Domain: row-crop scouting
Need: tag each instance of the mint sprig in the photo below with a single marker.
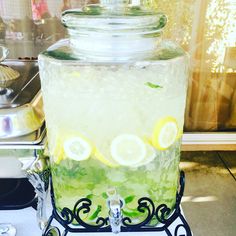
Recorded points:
(95, 214)
(151, 85)
(129, 199)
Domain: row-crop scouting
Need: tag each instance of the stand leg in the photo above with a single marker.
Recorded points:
(38, 175)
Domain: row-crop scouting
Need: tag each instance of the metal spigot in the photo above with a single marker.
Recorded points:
(115, 215)
(38, 175)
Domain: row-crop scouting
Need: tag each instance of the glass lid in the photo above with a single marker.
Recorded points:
(114, 30)
(116, 16)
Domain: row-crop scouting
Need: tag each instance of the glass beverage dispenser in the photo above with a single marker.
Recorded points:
(114, 98)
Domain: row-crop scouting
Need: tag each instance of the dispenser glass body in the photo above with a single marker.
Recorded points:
(114, 127)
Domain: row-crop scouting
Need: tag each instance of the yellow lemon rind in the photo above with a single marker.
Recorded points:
(157, 130)
(104, 160)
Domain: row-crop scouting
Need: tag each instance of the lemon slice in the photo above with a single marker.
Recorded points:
(180, 134)
(104, 160)
(77, 149)
(165, 133)
(58, 155)
(128, 149)
(150, 156)
(56, 150)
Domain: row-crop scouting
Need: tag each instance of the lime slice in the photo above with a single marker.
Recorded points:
(150, 156)
(165, 133)
(128, 149)
(104, 160)
(77, 149)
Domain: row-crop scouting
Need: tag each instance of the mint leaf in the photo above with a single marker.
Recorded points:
(151, 85)
(95, 214)
(90, 196)
(133, 213)
(129, 199)
(104, 195)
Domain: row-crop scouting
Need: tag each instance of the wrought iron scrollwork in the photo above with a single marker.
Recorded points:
(53, 231)
(84, 206)
(162, 213)
(72, 220)
(177, 230)
(145, 206)
(67, 215)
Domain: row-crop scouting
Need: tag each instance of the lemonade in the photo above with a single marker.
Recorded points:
(114, 126)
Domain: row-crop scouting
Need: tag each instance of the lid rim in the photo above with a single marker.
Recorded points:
(118, 24)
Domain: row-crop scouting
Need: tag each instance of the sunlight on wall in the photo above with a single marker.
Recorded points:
(199, 199)
(188, 165)
(221, 31)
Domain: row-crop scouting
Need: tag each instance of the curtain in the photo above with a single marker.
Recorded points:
(207, 30)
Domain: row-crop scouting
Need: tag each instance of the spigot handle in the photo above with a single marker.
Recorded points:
(115, 215)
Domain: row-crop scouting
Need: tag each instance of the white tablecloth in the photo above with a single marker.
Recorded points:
(25, 222)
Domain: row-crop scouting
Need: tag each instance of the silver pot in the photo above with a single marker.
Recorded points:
(21, 105)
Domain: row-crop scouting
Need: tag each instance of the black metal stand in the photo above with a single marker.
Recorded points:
(145, 205)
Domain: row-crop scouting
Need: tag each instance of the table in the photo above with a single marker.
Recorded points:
(26, 225)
